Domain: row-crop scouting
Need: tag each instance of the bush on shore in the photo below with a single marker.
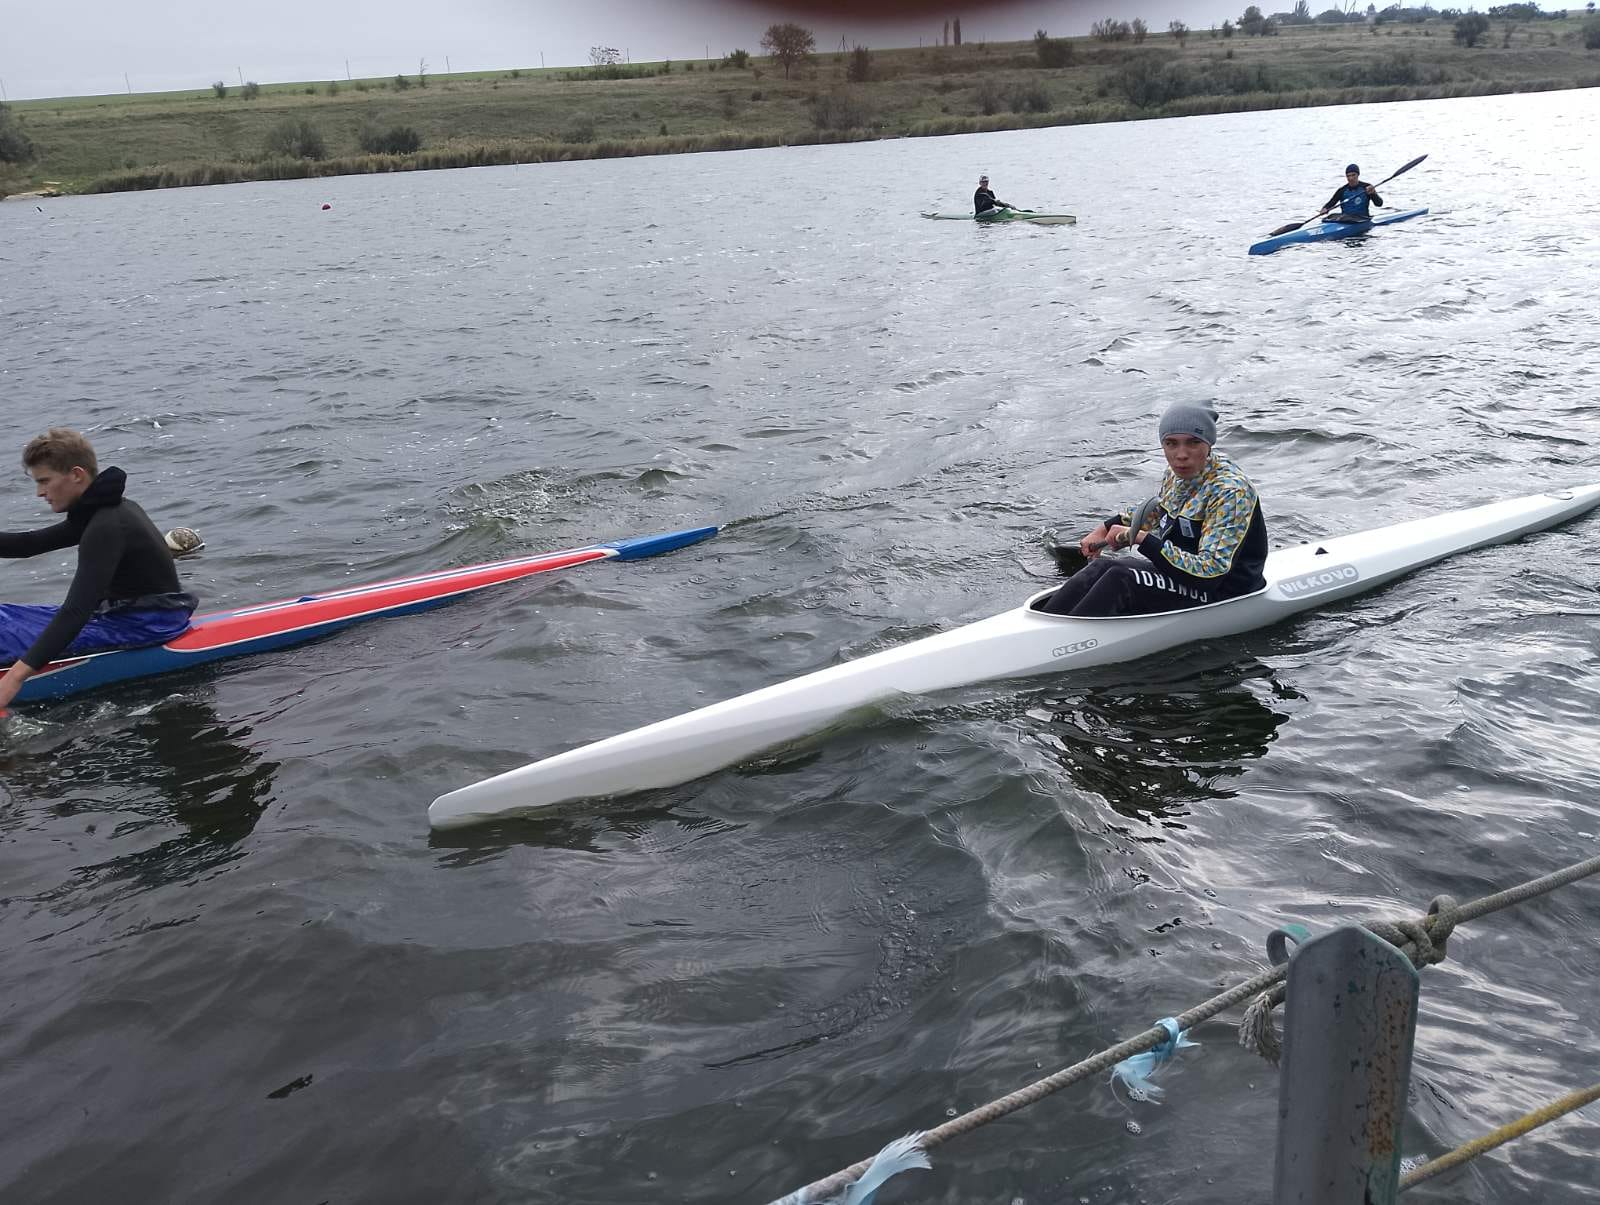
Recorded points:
(395, 140)
(1148, 82)
(840, 109)
(1029, 98)
(1470, 29)
(1052, 52)
(15, 145)
(1398, 68)
(296, 138)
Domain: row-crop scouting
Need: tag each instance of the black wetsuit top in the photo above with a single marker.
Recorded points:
(122, 561)
(1353, 202)
(983, 201)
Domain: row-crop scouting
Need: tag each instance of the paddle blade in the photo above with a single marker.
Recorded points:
(1069, 558)
(1403, 170)
(1289, 227)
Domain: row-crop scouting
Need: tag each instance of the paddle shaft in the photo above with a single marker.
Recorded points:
(1399, 172)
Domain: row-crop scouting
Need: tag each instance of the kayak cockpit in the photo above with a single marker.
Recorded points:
(1035, 601)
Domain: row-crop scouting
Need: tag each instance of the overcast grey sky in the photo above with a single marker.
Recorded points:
(79, 47)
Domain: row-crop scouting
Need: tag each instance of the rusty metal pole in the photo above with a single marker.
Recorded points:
(1349, 1021)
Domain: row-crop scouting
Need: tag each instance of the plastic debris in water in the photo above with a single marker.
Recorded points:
(900, 1155)
(1137, 1071)
(184, 539)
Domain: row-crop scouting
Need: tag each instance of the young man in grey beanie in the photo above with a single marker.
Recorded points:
(1202, 537)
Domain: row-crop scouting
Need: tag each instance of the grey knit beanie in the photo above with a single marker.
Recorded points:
(1190, 418)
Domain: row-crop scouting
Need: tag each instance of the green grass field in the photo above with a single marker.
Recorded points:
(153, 140)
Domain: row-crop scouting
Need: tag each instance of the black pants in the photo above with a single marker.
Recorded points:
(1110, 586)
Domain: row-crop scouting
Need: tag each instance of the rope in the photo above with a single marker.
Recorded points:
(1423, 943)
(822, 1190)
(1257, 1034)
(1417, 940)
(1501, 1136)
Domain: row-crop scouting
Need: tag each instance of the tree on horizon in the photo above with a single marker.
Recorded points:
(788, 44)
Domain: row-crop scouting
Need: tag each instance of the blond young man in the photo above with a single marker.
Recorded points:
(125, 592)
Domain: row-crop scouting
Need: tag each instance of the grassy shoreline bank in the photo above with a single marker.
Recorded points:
(107, 144)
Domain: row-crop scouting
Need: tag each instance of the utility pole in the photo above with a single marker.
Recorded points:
(125, 82)
(541, 60)
(447, 64)
(3, 96)
(347, 74)
(240, 70)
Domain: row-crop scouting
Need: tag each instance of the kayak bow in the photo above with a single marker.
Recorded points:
(1330, 230)
(1018, 643)
(277, 625)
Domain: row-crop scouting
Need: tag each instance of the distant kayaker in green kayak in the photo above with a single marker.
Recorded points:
(983, 200)
(1202, 537)
(125, 592)
(1353, 198)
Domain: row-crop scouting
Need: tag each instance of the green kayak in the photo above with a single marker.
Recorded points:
(1009, 215)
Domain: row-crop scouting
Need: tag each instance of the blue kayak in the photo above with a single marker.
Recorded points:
(277, 625)
(1327, 230)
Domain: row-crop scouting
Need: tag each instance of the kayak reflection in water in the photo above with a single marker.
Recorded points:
(983, 200)
(125, 592)
(1353, 198)
(1202, 536)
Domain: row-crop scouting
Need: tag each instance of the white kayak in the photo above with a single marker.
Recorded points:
(1008, 215)
(1018, 643)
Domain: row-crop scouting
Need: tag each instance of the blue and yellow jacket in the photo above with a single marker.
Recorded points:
(1210, 535)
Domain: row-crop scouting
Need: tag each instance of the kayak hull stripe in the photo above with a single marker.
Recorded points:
(276, 625)
(1323, 231)
(1017, 643)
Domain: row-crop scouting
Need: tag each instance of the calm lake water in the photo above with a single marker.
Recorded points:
(237, 966)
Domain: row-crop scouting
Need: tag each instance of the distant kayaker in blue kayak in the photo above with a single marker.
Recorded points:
(1353, 198)
(125, 592)
(983, 200)
(1202, 537)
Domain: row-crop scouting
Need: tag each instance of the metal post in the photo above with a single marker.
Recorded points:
(1349, 1023)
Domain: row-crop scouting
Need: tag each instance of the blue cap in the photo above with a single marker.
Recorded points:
(1353, 168)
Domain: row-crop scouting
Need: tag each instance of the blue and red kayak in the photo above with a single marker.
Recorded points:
(277, 625)
(1328, 230)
